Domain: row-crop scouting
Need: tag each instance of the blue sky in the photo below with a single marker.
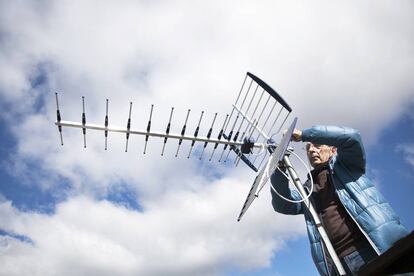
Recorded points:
(74, 211)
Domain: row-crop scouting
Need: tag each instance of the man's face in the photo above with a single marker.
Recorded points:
(319, 154)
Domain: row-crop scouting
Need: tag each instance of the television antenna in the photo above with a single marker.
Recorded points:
(258, 114)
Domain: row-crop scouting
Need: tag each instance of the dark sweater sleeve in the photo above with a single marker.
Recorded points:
(280, 183)
(347, 141)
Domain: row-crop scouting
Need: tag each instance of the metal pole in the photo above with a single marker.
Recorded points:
(315, 217)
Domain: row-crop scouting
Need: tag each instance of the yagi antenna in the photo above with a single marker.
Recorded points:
(245, 131)
(248, 134)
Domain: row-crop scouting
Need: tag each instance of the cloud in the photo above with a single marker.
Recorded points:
(408, 152)
(335, 63)
(188, 232)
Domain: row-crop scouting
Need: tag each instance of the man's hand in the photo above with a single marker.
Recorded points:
(297, 135)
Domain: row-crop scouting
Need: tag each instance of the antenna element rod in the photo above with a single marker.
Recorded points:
(148, 129)
(106, 126)
(58, 118)
(195, 134)
(83, 122)
(167, 131)
(128, 127)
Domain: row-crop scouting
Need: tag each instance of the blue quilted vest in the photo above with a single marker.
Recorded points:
(365, 204)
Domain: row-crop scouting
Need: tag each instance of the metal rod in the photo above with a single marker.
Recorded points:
(232, 111)
(83, 122)
(235, 121)
(264, 157)
(254, 112)
(275, 121)
(128, 126)
(267, 118)
(244, 118)
(263, 109)
(106, 126)
(148, 129)
(229, 137)
(195, 134)
(182, 132)
(241, 89)
(283, 123)
(155, 134)
(219, 137)
(251, 122)
(237, 99)
(245, 97)
(167, 131)
(208, 135)
(58, 118)
(250, 103)
(237, 118)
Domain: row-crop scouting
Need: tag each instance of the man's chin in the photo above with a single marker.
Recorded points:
(315, 163)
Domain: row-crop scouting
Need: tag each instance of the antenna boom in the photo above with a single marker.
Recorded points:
(154, 134)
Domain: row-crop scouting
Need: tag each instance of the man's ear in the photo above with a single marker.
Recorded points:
(334, 150)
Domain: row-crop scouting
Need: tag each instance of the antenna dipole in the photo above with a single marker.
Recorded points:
(208, 135)
(182, 132)
(195, 134)
(219, 137)
(83, 122)
(128, 126)
(167, 131)
(148, 129)
(58, 118)
(106, 126)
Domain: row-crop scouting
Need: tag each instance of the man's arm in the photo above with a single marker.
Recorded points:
(280, 183)
(347, 141)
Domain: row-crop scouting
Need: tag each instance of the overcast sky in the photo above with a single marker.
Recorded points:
(74, 211)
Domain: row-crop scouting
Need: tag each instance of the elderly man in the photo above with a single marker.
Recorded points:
(359, 222)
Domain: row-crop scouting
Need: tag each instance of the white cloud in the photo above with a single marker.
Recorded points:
(189, 232)
(335, 63)
(408, 152)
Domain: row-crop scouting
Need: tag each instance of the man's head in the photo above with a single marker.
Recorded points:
(319, 154)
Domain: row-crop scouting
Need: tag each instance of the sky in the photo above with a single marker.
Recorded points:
(66, 210)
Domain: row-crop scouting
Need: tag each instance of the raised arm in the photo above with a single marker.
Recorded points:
(347, 141)
(280, 183)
